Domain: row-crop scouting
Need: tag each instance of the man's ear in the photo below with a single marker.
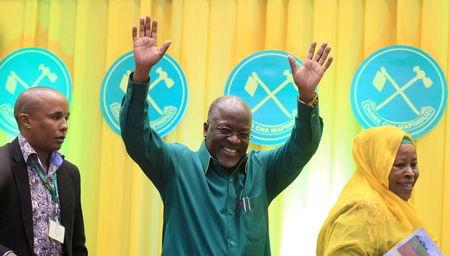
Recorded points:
(24, 120)
(205, 128)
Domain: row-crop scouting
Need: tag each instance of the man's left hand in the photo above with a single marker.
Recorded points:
(307, 77)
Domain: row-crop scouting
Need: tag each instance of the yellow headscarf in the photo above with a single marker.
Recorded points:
(369, 219)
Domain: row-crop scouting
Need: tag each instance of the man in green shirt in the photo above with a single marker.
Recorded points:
(216, 199)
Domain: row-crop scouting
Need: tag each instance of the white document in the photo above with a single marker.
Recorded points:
(418, 243)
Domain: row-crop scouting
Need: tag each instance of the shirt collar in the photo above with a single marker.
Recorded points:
(206, 158)
(56, 158)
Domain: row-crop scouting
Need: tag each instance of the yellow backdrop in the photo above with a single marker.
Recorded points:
(123, 212)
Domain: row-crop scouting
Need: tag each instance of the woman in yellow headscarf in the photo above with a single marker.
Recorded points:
(372, 213)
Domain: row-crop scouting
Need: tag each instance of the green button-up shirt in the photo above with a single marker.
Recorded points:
(207, 210)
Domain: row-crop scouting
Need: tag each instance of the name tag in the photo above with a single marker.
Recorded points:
(56, 231)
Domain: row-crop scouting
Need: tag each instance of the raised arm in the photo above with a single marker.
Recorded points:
(143, 144)
(285, 163)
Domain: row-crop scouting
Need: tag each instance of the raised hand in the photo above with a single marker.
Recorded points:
(146, 52)
(307, 76)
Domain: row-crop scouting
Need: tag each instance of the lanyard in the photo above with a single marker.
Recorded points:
(40, 172)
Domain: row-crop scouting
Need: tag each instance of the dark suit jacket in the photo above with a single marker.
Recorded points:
(16, 224)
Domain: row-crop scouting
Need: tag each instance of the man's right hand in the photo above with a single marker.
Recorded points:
(146, 52)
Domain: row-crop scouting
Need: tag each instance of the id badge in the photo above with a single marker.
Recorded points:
(56, 231)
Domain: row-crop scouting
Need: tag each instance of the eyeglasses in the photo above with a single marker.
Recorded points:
(244, 136)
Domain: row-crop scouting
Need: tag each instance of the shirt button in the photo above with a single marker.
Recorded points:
(231, 180)
(313, 114)
(230, 212)
(231, 243)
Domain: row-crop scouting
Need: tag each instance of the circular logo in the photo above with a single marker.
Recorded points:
(399, 86)
(26, 68)
(264, 81)
(167, 94)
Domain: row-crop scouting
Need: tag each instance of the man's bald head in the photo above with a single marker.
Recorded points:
(42, 115)
(31, 99)
(229, 101)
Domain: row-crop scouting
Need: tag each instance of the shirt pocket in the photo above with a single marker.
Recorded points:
(254, 219)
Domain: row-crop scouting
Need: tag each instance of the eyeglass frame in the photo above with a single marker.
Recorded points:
(227, 132)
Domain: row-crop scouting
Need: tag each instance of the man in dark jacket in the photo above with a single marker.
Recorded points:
(40, 211)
